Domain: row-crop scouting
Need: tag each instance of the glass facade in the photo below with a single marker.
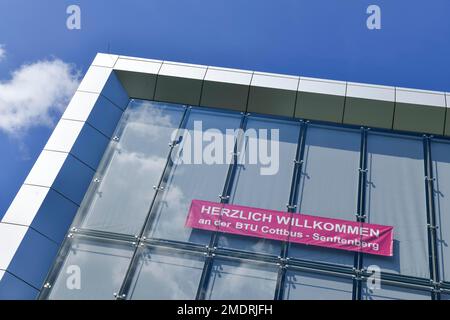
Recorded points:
(129, 239)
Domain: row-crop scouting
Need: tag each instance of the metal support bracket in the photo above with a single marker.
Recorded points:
(210, 251)
(436, 286)
(429, 226)
(359, 274)
(283, 262)
(360, 216)
(119, 297)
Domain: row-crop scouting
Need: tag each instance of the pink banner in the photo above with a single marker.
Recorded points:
(285, 226)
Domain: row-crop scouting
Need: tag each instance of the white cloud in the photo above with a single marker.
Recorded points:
(35, 93)
(2, 52)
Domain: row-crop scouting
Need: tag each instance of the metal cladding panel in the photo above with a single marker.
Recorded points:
(12, 288)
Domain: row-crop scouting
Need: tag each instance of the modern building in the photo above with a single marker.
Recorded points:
(102, 214)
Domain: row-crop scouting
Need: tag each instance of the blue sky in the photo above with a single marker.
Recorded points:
(318, 38)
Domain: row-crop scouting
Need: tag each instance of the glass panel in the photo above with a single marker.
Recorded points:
(238, 280)
(445, 296)
(313, 286)
(131, 167)
(256, 188)
(387, 292)
(92, 269)
(187, 181)
(166, 274)
(396, 197)
(441, 164)
(329, 185)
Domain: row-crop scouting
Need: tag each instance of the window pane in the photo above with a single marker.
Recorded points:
(387, 292)
(314, 286)
(329, 185)
(445, 296)
(441, 164)
(120, 202)
(255, 188)
(396, 197)
(237, 280)
(186, 182)
(166, 274)
(92, 269)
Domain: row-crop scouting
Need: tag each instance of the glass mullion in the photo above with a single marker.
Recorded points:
(104, 234)
(361, 210)
(321, 266)
(230, 179)
(174, 244)
(293, 199)
(431, 214)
